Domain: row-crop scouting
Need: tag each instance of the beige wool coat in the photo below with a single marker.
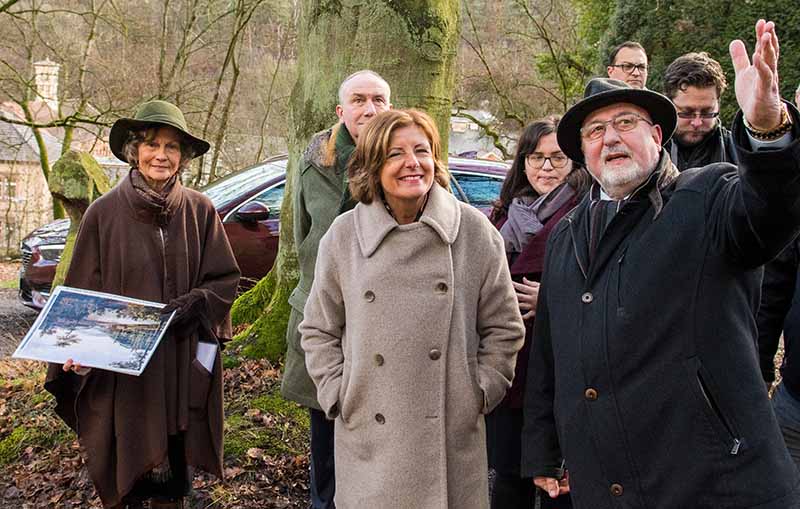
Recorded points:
(411, 334)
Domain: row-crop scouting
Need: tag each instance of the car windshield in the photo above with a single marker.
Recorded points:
(232, 186)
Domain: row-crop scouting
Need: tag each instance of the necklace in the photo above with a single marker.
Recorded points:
(419, 213)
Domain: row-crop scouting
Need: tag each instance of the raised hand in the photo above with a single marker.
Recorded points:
(757, 84)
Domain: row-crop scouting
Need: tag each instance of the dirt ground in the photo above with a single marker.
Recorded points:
(15, 319)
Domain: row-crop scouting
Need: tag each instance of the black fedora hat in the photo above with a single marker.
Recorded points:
(601, 92)
(150, 114)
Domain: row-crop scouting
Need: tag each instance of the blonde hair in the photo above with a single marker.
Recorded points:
(365, 166)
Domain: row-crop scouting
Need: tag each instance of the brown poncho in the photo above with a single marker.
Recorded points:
(128, 246)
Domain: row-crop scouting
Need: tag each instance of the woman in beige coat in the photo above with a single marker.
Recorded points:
(411, 329)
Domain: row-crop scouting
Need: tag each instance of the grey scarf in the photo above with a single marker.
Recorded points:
(527, 215)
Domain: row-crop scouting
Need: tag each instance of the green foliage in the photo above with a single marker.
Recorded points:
(594, 18)
(670, 28)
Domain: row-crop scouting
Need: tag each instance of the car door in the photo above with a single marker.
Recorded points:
(255, 243)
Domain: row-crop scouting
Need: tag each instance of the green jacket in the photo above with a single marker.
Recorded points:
(320, 195)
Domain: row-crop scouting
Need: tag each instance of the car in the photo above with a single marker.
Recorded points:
(249, 203)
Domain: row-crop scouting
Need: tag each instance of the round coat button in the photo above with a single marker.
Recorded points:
(435, 354)
(379, 359)
(441, 288)
(616, 490)
(590, 394)
(380, 419)
(587, 297)
(369, 295)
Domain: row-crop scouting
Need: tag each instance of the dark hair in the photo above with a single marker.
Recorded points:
(516, 183)
(694, 70)
(612, 57)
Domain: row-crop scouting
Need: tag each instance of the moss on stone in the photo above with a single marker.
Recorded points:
(77, 180)
(266, 336)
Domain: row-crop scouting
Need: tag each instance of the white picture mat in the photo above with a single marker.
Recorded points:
(100, 351)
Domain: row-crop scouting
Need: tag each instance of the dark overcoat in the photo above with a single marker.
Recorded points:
(127, 247)
(643, 371)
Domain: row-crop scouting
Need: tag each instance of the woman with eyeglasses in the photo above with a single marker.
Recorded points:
(542, 185)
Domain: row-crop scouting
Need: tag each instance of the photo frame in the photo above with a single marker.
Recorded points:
(97, 330)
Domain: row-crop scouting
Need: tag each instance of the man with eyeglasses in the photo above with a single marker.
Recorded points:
(643, 381)
(694, 82)
(628, 62)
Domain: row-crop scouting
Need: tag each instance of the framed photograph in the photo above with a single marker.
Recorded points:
(97, 330)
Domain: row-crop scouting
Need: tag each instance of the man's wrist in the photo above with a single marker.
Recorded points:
(775, 133)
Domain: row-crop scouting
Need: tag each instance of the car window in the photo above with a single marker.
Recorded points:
(481, 190)
(232, 186)
(272, 198)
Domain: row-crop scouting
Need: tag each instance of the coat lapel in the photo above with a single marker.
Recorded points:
(373, 222)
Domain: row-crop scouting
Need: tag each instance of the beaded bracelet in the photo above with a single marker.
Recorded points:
(773, 134)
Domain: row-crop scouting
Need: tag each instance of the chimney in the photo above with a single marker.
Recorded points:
(46, 76)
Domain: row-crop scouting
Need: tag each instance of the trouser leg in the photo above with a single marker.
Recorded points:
(511, 492)
(787, 410)
(323, 481)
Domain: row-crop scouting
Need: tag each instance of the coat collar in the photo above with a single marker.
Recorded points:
(373, 223)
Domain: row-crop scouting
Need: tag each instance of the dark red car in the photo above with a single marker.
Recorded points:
(249, 203)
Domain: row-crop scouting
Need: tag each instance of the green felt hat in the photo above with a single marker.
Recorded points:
(153, 114)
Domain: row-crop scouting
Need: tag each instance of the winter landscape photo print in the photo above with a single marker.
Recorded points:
(95, 329)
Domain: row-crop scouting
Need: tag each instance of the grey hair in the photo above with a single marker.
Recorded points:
(363, 72)
(130, 149)
(797, 91)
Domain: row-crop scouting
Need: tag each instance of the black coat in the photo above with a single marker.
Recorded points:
(643, 370)
(780, 312)
(717, 147)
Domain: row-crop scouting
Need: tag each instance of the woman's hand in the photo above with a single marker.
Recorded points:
(527, 297)
(554, 487)
(75, 368)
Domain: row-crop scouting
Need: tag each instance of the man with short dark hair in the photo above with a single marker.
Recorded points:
(628, 62)
(321, 195)
(643, 379)
(694, 82)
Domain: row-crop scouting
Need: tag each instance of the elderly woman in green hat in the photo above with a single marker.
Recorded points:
(151, 238)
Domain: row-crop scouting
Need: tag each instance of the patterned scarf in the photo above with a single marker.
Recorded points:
(157, 199)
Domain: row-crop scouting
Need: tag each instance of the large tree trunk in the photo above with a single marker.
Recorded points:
(412, 44)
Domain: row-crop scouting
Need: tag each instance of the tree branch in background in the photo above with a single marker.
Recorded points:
(488, 129)
(4, 7)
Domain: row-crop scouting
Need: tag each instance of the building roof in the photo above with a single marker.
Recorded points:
(18, 144)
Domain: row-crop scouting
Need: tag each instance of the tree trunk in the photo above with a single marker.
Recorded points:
(412, 44)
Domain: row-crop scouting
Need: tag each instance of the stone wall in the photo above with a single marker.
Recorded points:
(25, 204)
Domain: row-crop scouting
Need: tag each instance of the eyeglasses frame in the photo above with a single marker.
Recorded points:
(642, 68)
(606, 123)
(546, 158)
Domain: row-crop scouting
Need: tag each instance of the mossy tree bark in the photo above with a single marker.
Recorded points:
(412, 44)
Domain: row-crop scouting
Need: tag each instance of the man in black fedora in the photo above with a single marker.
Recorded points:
(643, 379)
